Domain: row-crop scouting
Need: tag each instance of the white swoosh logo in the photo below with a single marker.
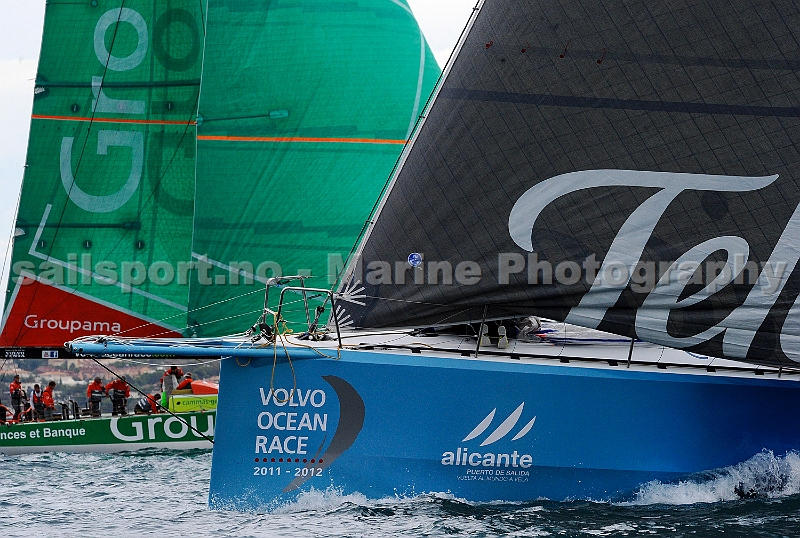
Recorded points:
(503, 429)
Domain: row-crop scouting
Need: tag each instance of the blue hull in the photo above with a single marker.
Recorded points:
(387, 424)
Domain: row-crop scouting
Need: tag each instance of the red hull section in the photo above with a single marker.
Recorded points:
(204, 387)
(42, 315)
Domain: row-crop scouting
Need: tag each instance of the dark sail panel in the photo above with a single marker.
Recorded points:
(620, 165)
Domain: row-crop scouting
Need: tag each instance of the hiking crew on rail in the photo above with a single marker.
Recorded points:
(40, 404)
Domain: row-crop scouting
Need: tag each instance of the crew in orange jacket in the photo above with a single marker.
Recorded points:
(94, 394)
(186, 383)
(119, 391)
(16, 397)
(174, 371)
(48, 401)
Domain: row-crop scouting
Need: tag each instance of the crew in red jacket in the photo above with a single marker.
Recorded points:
(119, 391)
(94, 394)
(174, 371)
(186, 383)
(48, 401)
(16, 397)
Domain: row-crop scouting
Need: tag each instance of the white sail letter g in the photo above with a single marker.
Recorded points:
(110, 202)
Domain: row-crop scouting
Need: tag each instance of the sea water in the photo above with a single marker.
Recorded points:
(164, 493)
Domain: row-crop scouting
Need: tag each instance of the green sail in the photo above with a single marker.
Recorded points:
(304, 110)
(105, 217)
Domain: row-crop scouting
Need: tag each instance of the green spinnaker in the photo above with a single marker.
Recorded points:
(304, 110)
(107, 202)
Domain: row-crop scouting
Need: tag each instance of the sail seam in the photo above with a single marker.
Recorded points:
(111, 120)
(125, 287)
(300, 139)
(620, 104)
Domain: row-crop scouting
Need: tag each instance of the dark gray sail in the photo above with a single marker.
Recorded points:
(623, 165)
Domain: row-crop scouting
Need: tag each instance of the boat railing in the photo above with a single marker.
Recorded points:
(312, 326)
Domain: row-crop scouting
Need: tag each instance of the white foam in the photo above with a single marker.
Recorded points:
(764, 475)
(321, 501)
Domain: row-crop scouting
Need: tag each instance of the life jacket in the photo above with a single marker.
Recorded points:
(177, 372)
(95, 392)
(37, 399)
(143, 405)
(16, 390)
(185, 384)
(47, 398)
(118, 389)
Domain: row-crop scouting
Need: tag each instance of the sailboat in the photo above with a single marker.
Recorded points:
(619, 166)
(160, 133)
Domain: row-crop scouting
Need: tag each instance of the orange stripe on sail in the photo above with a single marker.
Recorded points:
(302, 139)
(111, 120)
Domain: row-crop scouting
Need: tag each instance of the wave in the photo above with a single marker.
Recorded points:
(764, 476)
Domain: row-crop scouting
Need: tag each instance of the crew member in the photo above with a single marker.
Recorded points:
(186, 383)
(37, 403)
(17, 395)
(148, 404)
(48, 401)
(174, 371)
(119, 391)
(5, 413)
(94, 395)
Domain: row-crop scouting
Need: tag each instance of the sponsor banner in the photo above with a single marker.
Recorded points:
(47, 316)
(191, 402)
(136, 430)
(389, 424)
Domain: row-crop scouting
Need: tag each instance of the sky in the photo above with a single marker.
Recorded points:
(20, 38)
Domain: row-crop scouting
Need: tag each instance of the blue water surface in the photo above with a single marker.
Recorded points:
(164, 493)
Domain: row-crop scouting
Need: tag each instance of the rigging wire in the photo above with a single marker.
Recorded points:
(3, 370)
(7, 257)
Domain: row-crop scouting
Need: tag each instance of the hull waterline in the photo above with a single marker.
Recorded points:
(401, 422)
